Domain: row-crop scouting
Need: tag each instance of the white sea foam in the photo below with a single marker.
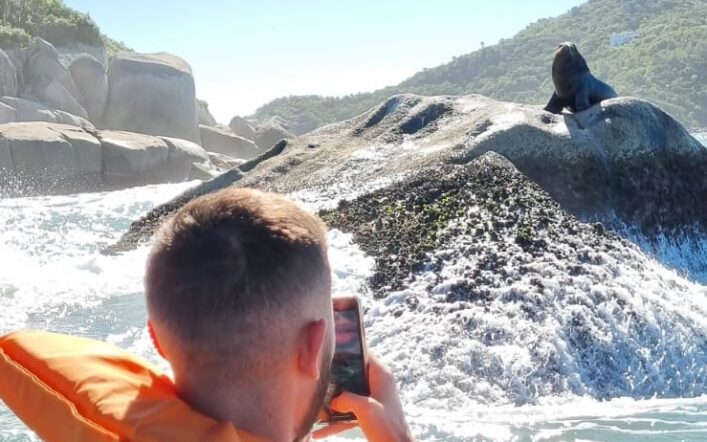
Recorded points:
(701, 137)
(686, 254)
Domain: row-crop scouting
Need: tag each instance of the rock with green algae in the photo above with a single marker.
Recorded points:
(485, 211)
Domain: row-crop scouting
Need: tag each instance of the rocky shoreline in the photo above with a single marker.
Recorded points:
(60, 113)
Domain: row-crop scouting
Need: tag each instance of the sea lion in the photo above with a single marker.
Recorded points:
(575, 86)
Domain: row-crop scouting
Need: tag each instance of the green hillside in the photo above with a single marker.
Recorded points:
(20, 20)
(665, 62)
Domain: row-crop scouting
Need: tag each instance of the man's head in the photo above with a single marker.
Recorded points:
(239, 294)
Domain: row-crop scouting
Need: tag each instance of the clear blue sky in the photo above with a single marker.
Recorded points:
(244, 54)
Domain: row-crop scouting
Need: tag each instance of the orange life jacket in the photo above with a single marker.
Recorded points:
(67, 388)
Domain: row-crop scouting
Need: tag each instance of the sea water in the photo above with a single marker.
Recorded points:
(53, 277)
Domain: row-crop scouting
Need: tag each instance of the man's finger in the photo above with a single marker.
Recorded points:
(372, 417)
(360, 406)
(381, 379)
(333, 428)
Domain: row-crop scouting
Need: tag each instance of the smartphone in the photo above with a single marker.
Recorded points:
(349, 366)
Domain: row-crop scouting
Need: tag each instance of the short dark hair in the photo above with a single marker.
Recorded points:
(225, 261)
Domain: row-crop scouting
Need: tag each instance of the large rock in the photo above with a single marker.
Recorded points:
(241, 127)
(40, 158)
(186, 149)
(92, 82)
(77, 50)
(8, 75)
(8, 114)
(205, 116)
(14, 109)
(196, 162)
(624, 156)
(50, 81)
(272, 131)
(152, 94)
(224, 162)
(25, 110)
(131, 159)
(622, 161)
(216, 139)
(18, 57)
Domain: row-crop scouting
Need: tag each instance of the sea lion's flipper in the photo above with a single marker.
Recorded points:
(581, 99)
(555, 105)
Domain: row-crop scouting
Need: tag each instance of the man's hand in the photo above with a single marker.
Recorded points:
(380, 416)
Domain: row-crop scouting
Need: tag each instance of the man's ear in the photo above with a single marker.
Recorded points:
(311, 347)
(153, 336)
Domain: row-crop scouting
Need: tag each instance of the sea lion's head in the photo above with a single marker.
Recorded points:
(567, 50)
(567, 56)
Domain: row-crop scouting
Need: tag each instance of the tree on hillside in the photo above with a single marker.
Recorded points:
(50, 20)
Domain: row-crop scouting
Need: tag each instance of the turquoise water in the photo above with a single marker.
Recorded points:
(455, 385)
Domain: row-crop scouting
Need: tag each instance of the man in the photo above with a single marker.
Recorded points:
(239, 300)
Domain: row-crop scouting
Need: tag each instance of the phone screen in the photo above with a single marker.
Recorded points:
(348, 364)
(348, 367)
